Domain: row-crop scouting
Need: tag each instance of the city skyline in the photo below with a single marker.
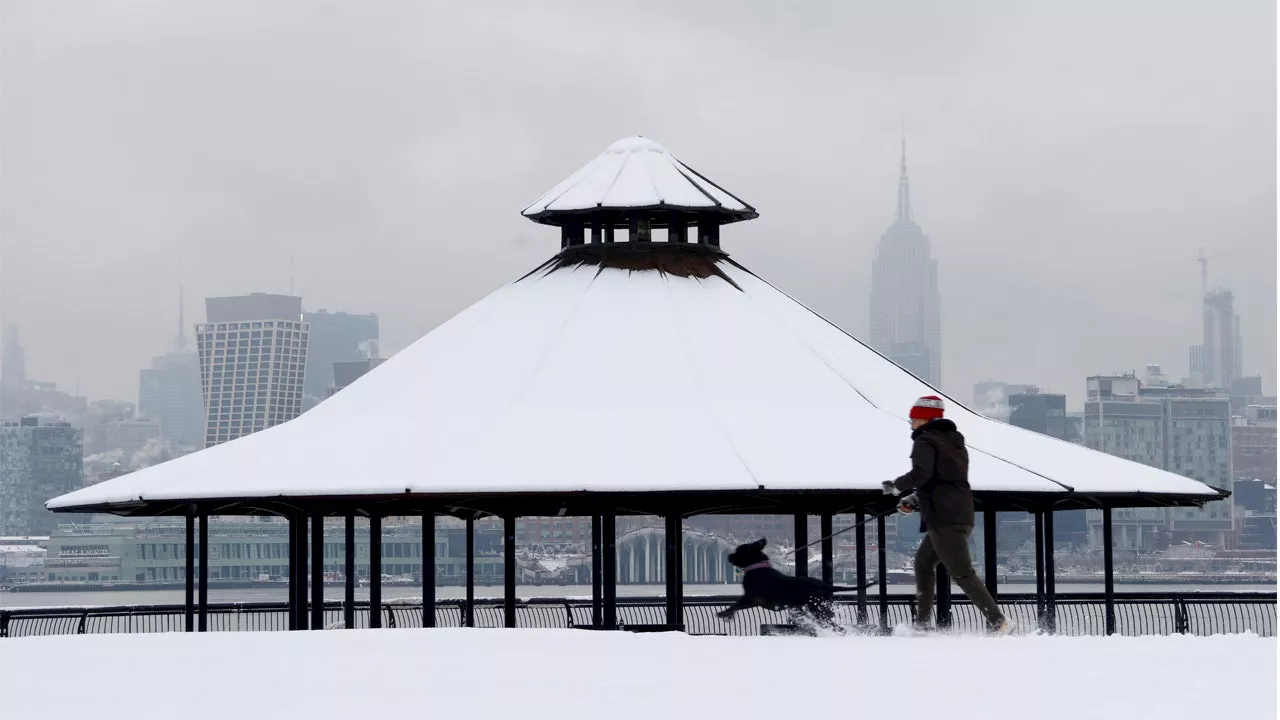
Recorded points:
(1067, 195)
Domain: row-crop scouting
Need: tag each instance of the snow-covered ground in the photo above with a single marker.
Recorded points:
(568, 674)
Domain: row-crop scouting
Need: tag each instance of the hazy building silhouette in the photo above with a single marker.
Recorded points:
(169, 391)
(337, 337)
(1220, 359)
(906, 312)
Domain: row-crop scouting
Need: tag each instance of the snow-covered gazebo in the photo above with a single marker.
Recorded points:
(639, 370)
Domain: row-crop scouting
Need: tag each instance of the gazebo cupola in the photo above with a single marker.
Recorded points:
(636, 185)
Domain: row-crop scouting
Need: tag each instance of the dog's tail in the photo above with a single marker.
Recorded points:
(842, 588)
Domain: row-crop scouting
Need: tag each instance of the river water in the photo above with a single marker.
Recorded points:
(279, 594)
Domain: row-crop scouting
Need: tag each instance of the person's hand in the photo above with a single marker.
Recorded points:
(909, 504)
(889, 488)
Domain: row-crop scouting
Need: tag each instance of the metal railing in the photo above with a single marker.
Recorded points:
(1076, 614)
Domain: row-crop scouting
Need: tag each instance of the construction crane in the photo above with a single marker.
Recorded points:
(1204, 268)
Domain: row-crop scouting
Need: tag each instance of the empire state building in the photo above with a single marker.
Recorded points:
(906, 322)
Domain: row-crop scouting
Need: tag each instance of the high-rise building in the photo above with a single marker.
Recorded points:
(1045, 413)
(1183, 430)
(906, 310)
(345, 373)
(991, 397)
(337, 337)
(39, 460)
(253, 351)
(169, 391)
(1220, 360)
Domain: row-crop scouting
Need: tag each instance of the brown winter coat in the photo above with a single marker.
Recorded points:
(939, 475)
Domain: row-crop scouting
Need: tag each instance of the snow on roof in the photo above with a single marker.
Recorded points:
(636, 172)
(587, 378)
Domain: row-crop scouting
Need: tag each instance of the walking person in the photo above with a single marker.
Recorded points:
(939, 477)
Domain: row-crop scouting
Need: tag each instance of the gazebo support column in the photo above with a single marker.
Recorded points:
(204, 572)
(469, 610)
(989, 547)
(509, 570)
(1108, 571)
(883, 572)
(299, 522)
(429, 570)
(1050, 591)
(375, 570)
(609, 569)
(861, 557)
(801, 537)
(317, 571)
(673, 560)
(828, 548)
(349, 573)
(597, 572)
(1039, 533)
(190, 598)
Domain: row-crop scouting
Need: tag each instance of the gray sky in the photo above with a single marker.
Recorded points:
(1067, 161)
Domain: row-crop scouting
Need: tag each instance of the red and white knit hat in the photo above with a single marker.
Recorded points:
(929, 407)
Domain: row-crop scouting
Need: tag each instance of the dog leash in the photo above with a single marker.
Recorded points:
(855, 526)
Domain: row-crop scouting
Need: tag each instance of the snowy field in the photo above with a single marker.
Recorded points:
(569, 674)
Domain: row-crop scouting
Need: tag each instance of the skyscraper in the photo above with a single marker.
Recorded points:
(39, 459)
(1220, 360)
(906, 313)
(169, 391)
(337, 337)
(253, 351)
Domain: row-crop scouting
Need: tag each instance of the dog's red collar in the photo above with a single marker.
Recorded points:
(756, 566)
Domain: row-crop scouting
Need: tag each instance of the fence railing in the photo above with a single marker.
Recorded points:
(1076, 614)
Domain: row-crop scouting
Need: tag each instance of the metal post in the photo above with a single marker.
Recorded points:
(882, 558)
(204, 572)
(802, 539)
(349, 551)
(609, 567)
(317, 571)
(293, 572)
(1039, 533)
(674, 537)
(429, 570)
(597, 606)
(509, 569)
(375, 571)
(300, 587)
(943, 606)
(190, 599)
(1108, 571)
(861, 556)
(989, 548)
(469, 612)
(1050, 592)
(825, 521)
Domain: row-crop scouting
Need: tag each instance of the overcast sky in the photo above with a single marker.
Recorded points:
(1067, 160)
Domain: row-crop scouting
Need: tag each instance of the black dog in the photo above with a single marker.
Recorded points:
(765, 587)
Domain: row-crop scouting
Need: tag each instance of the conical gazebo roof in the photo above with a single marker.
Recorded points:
(636, 173)
(623, 368)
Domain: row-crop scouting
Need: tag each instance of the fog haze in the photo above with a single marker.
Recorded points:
(1067, 161)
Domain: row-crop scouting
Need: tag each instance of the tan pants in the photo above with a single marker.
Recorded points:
(950, 546)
